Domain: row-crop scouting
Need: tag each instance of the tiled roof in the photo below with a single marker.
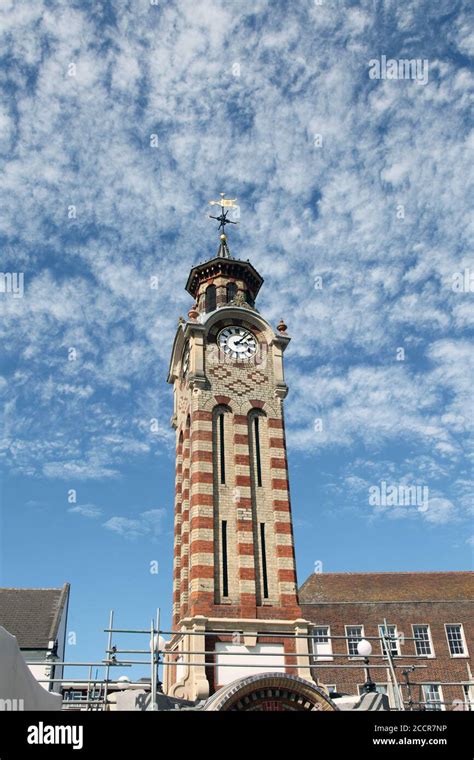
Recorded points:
(379, 587)
(33, 614)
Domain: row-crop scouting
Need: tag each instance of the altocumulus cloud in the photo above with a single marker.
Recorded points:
(354, 206)
(86, 510)
(149, 523)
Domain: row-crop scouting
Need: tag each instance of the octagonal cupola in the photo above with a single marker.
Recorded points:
(223, 280)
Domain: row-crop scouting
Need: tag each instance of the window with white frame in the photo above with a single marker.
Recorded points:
(423, 643)
(322, 646)
(456, 642)
(433, 696)
(331, 687)
(74, 696)
(390, 632)
(354, 633)
(382, 688)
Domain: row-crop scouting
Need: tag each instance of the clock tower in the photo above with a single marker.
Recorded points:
(234, 584)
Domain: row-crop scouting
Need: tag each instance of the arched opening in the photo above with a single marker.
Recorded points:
(270, 692)
(224, 529)
(210, 298)
(262, 516)
(231, 291)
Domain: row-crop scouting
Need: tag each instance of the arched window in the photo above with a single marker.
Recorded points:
(221, 447)
(254, 419)
(231, 291)
(210, 298)
(225, 569)
(263, 550)
(222, 463)
(258, 461)
(221, 417)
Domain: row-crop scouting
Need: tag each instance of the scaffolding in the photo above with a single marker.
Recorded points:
(98, 690)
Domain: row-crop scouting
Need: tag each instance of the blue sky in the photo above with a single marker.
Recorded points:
(363, 183)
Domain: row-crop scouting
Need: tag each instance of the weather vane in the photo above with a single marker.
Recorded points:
(223, 203)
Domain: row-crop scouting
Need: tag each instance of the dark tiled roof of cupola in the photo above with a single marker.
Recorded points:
(33, 614)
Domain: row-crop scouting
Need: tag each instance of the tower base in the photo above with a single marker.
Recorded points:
(210, 653)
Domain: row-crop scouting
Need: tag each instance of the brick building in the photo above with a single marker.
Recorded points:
(430, 613)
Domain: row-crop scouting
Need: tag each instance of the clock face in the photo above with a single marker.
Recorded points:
(185, 362)
(237, 342)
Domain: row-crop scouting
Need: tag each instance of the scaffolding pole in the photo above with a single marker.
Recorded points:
(388, 649)
(109, 646)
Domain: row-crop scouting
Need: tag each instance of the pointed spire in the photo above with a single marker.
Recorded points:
(223, 251)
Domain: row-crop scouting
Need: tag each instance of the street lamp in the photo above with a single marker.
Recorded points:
(157, 645)
(364, 648)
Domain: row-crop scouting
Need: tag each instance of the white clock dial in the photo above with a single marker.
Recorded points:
(237, 342)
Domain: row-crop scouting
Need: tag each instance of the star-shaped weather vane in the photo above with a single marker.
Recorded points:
(223, 203)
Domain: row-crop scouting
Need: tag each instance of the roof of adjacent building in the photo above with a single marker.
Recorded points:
(326, 588)
(33, 615)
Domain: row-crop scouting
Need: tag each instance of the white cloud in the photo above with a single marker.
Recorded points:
(86, 510)
(440, 511)
(84, 140)
(147, 523)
